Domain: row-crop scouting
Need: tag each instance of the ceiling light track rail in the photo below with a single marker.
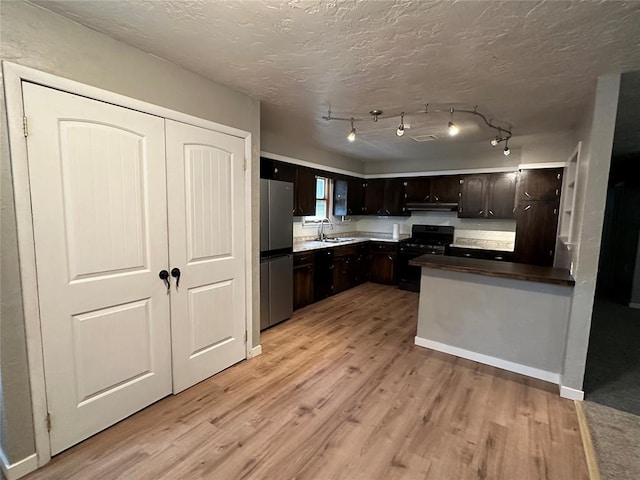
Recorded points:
(503, 133)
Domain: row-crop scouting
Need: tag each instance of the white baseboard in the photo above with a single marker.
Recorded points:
(19, 469)
(571, 393)
(255, 351)
(634, 305)
(489, 360)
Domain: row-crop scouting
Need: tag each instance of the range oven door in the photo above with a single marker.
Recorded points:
(409, 275)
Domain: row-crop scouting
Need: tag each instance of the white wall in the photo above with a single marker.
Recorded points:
(596, 133)
(37, 38)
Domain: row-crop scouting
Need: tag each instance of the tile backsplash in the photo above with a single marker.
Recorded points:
(498, 234)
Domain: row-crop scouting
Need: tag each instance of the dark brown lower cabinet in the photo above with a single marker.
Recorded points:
(536, 226)
(303, 292)
(362, 264)
(382, 265)
(344, 271)
(323, 274)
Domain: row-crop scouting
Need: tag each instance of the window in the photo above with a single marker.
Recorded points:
(322, 200)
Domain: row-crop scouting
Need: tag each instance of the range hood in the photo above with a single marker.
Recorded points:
(431, 207)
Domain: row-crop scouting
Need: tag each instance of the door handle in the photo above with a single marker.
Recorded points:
(175, 273)
(164, 276)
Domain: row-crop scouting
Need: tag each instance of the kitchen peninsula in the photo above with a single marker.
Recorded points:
(508, 315)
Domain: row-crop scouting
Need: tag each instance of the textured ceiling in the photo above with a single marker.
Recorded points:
(532, 64)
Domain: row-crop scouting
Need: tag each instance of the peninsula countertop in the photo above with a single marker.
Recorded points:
(492, 268)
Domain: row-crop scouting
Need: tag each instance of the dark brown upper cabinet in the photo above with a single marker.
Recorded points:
(487, 195)
(473, 196)
(384, 197)
(355, 196)
(445, 189)
(418, 190)
(340, 196)
(540, 184)
(501, 194)
(303, 179)
(424, 192)
(305, 192)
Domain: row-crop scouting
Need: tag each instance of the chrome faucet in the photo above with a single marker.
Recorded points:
(321, 235)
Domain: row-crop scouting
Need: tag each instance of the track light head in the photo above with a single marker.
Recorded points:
(453, 129)
(400, 130)
(495, 142)
(352, 134)
(507, 150)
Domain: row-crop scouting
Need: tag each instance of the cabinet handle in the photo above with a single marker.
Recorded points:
(436, 197)
(426, 198)
(275, 170)
(309, 267)
(480, 212)
(466, 254)
(498, 258)
(388, 212)
(331, 267)
(491, 212)
(527, 208)
(526, 194)
(390, 257)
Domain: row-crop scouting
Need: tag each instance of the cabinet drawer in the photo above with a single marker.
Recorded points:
(386, 247)
(303, 258)
(345, 250)
(498, 255)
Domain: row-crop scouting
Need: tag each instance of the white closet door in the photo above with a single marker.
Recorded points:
(205, 185)
(97, 176)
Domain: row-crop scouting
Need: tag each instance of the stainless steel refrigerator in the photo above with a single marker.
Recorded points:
(276, 258)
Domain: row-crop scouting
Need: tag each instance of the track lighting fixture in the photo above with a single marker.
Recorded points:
(453, 128)
(352, 134)
(400, 131)
(503, 132)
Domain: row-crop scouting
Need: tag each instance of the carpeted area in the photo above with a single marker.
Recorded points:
(616, 440)
(612, 375)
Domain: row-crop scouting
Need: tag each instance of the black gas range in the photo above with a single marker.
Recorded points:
(425, 240)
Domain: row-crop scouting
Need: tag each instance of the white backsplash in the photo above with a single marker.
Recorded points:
(473, 232)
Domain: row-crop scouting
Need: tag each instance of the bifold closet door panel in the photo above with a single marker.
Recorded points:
(98, 192)
(206, 202)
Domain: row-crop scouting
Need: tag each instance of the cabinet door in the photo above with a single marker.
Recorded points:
(393, 198)
(473, 197)
(501, 191)
(445, 189)
(374, 197)
(340, 193)
(418, 190)
(540, 184)
(382, 268)
(536, 225)
(355, 196)
(341, 274)
(266, 168)
(305, 192)
(284, 172)
(302, 286)
(323, 274)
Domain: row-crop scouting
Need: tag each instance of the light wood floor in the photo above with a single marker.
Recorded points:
(341, 391)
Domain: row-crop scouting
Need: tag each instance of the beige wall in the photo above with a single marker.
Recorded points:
(291, 145)
(37, 38)
(596, 133)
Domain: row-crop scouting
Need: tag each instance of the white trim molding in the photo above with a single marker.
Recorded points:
(634, 305)
(488, 360)
(571, 393)
(19, 469)
(533, 166)
(255, 351)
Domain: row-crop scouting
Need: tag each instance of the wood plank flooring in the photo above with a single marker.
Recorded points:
(342, 392)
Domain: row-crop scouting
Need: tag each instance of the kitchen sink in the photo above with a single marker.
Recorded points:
(338, 240)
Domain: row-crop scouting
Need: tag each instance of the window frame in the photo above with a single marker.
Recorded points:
(328, 188)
